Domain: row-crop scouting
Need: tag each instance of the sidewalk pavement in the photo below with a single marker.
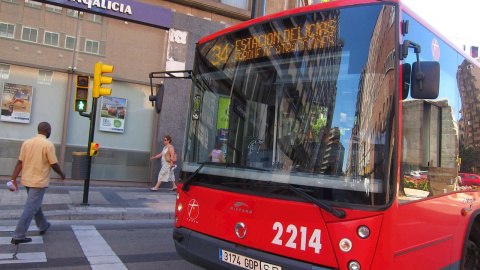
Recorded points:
(107, 200)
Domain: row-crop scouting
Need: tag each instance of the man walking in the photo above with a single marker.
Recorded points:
(37, 156)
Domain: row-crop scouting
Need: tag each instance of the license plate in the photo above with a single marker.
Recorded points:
(245, 262)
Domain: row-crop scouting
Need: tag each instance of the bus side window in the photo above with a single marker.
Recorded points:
(431, 120)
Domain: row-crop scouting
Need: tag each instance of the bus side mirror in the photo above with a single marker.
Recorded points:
(425, 82)
(158, 98)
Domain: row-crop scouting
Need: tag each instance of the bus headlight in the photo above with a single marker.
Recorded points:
(345, 245)
(179, 207)
(353, 265)
(363, 232)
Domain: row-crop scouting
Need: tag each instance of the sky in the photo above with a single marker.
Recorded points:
(458, 20)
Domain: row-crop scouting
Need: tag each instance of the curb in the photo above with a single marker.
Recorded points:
(107, 204)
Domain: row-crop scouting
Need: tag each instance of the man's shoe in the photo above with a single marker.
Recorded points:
(42, 232)
(21, 241)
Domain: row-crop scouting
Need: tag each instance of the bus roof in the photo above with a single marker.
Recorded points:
(335, 4)
(332, 4)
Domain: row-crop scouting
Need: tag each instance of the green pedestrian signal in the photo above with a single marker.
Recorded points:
(80, 105)
(81, 93)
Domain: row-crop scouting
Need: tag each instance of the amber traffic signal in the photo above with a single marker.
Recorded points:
(99, 80)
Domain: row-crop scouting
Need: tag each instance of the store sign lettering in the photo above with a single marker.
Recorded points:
(107, 5)
(127, 10)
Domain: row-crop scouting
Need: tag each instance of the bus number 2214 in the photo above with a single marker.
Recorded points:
(292, 230)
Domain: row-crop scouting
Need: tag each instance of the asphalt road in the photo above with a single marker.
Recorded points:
(78, 245)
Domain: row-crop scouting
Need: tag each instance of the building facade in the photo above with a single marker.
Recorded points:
(45, 45)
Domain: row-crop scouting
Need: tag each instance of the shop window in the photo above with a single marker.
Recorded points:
(12, 1)
(7, 30)
(45, 76)
(95, 18)
(52, 8)
(91, 46)
(302, 3)
(29, 34)
(243, 4)
(70, 42)
(74, 13)
(51, 39)
(4, 71)
(33, 4)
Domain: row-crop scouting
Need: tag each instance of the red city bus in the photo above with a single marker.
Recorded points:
(331, 136)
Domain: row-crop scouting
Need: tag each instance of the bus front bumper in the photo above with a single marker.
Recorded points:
(203, 250)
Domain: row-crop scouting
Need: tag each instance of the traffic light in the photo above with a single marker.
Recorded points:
(81, 93)
(99, 79)
(94, 149)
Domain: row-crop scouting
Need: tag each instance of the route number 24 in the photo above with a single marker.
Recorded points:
(313, 242)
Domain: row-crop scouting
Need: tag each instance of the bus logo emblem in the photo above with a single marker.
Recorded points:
(193, 209)
(241, 207)
(240, 230)
(239, 204)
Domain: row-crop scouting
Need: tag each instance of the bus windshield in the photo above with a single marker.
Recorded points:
(304, 101)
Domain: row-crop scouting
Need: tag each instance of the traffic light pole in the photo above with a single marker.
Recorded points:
(92, 116)
(97, 91)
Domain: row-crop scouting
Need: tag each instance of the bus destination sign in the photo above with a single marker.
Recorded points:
(311, 36)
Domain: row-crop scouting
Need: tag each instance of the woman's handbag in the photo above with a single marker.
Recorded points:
(168, 157)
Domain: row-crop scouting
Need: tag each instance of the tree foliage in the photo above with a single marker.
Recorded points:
(469, 158)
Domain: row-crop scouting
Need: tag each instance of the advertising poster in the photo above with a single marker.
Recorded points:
(222, 116)
(16, 103)
(222, 123)
(112, 114)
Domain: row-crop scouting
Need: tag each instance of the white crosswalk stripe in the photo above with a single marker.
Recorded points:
(96, 249)
(12, 228)
(7, 228)
(28, 257)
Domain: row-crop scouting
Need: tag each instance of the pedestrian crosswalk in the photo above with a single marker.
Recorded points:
(16, 257)
(94, 248)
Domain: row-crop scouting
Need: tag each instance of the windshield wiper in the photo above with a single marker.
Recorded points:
(190, 179)
(326, 207)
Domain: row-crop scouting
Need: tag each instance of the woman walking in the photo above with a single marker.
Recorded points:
(166, 172)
